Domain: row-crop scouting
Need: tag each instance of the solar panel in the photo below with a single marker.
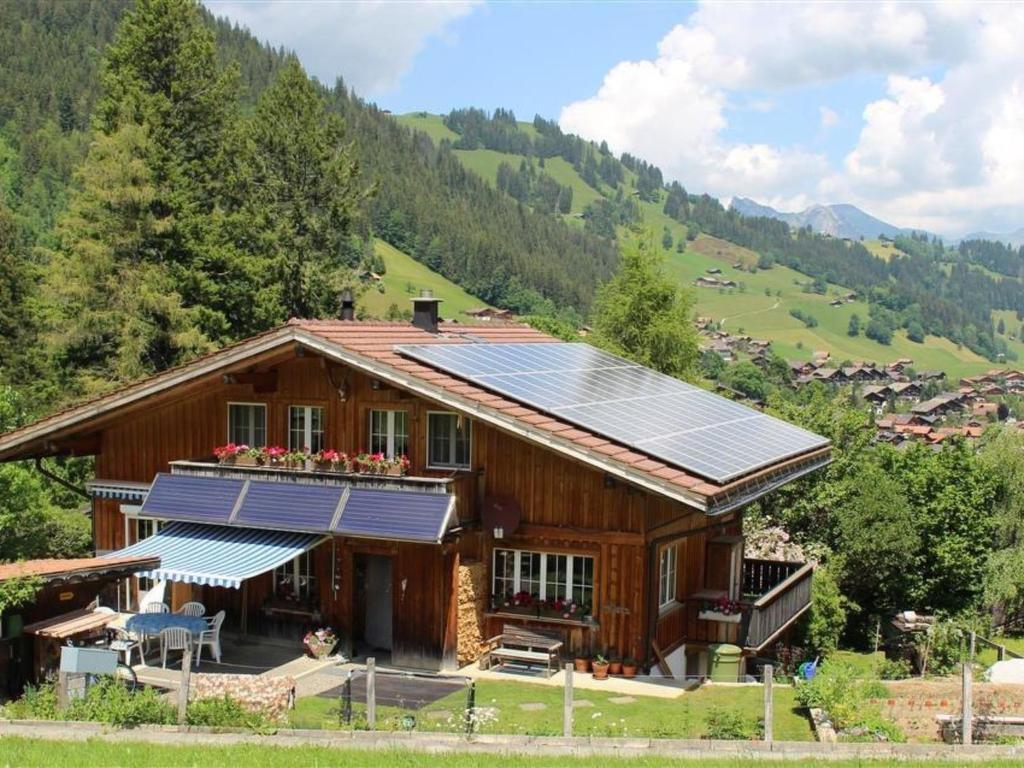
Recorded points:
(658, 415)
(397, 515)
(289, 506)
(188, 497)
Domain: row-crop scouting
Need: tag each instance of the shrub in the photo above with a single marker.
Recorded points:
(893, 669)
(224, 712)
(108, 701)
(827, 617)
(730, 724)
(836, 690)
(35, 704)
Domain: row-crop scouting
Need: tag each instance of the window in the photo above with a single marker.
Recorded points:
(247, 424)
(295, 580)
(305, 428)
(667, 577)
(145, 528)
(389, 433)
(448, 440)
(544, 575)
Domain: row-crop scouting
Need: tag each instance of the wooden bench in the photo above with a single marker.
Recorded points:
(523, 646)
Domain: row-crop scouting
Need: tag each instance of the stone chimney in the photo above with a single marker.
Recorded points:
(424, 311)
(347, 310)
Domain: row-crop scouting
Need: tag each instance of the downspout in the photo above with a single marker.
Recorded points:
(60, 480)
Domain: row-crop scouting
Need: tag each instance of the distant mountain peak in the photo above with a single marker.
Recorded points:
(839, 220)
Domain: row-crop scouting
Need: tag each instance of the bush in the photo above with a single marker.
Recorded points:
(894, 669)
(35, 704)
(224, 712)
(108, 701)
(729, 724)
(827, 617)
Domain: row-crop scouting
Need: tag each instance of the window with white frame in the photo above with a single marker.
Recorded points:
(305, 428)
(144, 528)
(543, 576)
(667, 577)
(449, 437)
(389, 433)
(247, 424)
(296, 579)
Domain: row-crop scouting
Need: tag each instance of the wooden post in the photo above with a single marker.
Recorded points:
(244, 620)
(346, 700)
(62, 690)
(1000, 652)
(371, 693)
(183, 686)
(567, 711)
(769, 677)
(974, 639)
(967, 708)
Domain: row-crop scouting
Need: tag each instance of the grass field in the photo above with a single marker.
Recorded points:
(683, 717)
(404, 279)
(43, 754)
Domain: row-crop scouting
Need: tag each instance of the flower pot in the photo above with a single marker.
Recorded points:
(615, 668)
(324, 466)
(229, 460)
(395, 471)
(600, 670)
(246, 461)
(294, 464)
(629, 670)
(582, 664)
(729, 618)
(320, 651)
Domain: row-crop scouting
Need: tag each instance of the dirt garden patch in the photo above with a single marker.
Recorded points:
(913, 704)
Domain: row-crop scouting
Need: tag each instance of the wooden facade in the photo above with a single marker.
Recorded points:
(566, 507)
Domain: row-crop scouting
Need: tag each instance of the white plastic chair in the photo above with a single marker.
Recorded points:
(157, 608)
(173, 639)
(192, 609)
(211, 637)
(125, 642)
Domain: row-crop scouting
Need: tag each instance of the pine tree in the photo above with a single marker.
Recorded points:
(642, 314)
(303, 195)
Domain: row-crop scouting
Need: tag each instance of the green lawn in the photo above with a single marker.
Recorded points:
(683, 717)
(68, 754)
(403, 280)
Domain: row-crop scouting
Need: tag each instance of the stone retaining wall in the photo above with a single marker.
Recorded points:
(271, 696)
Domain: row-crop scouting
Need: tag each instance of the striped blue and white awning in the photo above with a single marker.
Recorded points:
(217, 555)
(118, 490)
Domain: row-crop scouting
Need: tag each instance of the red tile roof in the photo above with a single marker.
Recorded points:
(77, 566)
(374, 343)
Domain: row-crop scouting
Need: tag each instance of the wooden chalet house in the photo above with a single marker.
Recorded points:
(548, 483)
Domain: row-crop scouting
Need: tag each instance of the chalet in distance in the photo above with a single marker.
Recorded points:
(547, 483)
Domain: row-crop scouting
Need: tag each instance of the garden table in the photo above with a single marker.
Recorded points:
(150, 624)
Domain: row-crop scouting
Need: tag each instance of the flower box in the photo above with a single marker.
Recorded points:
(729, 618)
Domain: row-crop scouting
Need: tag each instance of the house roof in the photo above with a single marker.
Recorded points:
(370, 347)
(80, 568)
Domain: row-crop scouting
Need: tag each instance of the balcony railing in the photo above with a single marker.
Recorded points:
(777, 593)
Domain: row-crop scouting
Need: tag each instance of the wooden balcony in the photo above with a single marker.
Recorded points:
(775, 595)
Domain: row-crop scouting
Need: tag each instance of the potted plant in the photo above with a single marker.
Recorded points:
(630, 667)
(396, 467)
(614, 665)
(228, 454)
(327, 460)
(722, 609)
(273, 455)
(581, 662)
(320, 642)
(294, 460)
(600, 665)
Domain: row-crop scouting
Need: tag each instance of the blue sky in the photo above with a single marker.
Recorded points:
(913, 111)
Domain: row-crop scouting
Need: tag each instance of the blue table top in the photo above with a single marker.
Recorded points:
(152, 623)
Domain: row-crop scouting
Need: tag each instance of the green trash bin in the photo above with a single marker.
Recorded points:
(724, 662)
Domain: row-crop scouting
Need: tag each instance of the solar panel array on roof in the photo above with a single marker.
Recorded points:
(185, 497)
(658, 415)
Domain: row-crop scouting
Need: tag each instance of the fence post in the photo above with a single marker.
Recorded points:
(769, 677)
(974, 639)
(62, 689)
(346, 700)
(183, 686)
(967, 708)
(371, 693)
(567, 711)
(471, 707)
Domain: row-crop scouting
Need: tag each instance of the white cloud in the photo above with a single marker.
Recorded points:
(943, 151)
(370, 44)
